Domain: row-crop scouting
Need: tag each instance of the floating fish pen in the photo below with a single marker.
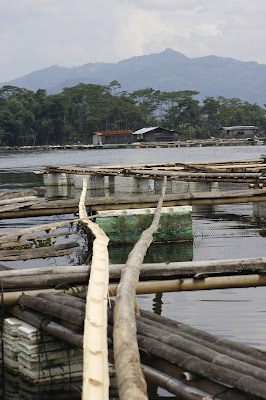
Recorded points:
(59, 327)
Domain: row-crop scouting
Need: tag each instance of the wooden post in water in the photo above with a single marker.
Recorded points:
(131, 382)
(95, 349)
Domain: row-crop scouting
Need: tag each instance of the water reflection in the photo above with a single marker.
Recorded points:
(19, 181)
(17, 388)
(157, 252)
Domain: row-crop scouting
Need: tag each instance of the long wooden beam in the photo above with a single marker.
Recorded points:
(142, 201)
(181, 269)
(149, 287)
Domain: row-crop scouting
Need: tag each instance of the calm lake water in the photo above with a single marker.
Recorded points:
(226, 232)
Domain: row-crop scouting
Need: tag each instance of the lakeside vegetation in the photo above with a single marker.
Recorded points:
(30, 118)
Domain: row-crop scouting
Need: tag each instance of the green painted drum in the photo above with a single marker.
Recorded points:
(126, 226)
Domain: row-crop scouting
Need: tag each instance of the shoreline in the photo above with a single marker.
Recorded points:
(142, 145)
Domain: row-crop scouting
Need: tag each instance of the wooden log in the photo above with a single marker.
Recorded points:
(200, 350)
(174, 285)
(4, 267)
(131, 383)
(143, 201)
(173, 386)
(206, 341)
(44, 281)
(47, 325)
(64, 299)
(210, 338)
(45, 227)
(95, 348)
(52, 309)
(61, 269)
(218, 373)
(18, 206)
(189, 269)
(18, 200)
(199, 382)
(173, 269)
(41, 252)
(251, 360)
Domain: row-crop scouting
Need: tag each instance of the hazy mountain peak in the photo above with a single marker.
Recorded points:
(168, 70)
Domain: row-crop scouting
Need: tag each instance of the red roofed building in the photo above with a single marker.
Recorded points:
(112, 137)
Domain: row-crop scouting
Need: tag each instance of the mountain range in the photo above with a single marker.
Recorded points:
(165, 71)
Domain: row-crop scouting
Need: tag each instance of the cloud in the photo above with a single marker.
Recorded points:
(37, 34)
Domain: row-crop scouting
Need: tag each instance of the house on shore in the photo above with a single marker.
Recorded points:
(239, 132)
(112, 137)
(155, 134)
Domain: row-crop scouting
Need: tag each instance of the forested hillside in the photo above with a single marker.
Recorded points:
(166, 71)
(36, 118)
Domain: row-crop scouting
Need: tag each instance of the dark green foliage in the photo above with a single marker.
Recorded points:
(30, 118)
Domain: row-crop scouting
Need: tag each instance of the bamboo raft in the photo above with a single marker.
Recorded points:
(144, 347)
(185, 361)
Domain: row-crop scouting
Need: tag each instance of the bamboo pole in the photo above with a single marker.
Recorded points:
(178, 285)
(247, 354)
(206, 336)
(131, 383)
(173, 386)
(218, 373)
(148, 287)
(47, 325)
(193, 380)
(200, 350)
(11, 298)
(54, 309)
(95, 349)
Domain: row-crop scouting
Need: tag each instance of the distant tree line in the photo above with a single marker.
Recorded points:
(35, 118)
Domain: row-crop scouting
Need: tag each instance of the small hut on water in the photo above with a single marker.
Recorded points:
(112, 137)
(239, 132)
(155, 134)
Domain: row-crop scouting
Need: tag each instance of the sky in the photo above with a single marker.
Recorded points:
(35, 34)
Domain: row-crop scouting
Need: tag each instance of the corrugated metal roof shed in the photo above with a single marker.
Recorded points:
(144, 130)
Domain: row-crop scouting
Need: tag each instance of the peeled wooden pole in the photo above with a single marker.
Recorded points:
(95, 349)
(131, 383)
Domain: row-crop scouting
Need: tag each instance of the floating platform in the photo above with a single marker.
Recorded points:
(126, 226)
